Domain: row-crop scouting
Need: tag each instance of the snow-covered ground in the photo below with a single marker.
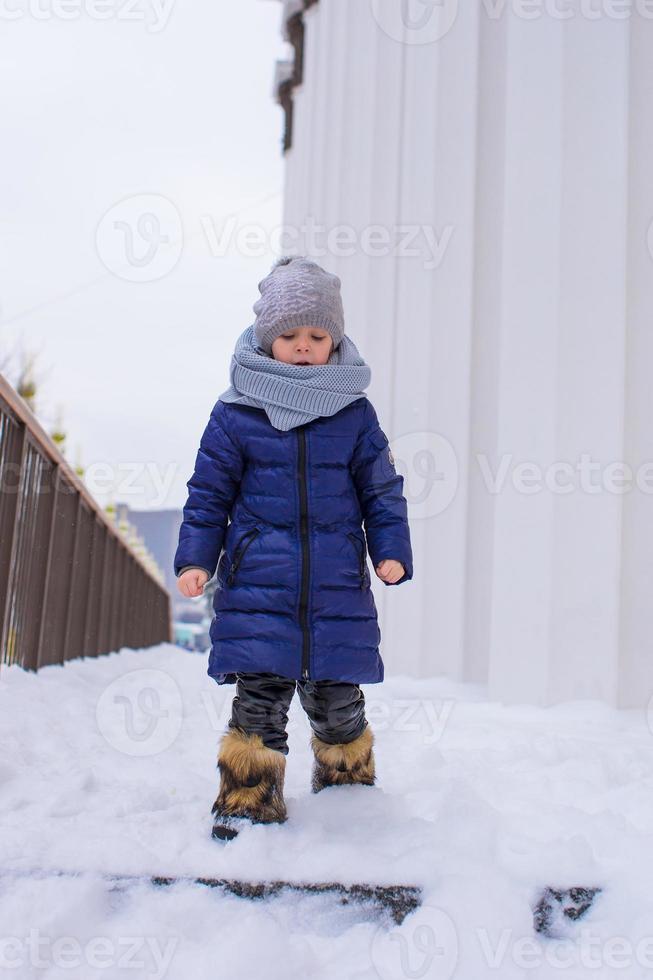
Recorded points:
(108, 765)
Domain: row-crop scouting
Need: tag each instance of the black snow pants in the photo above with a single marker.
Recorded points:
(335, 709)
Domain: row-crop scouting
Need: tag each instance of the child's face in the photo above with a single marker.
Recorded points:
(303, 345)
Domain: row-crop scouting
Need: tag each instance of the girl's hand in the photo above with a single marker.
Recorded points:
(192, 582)
(390, 570)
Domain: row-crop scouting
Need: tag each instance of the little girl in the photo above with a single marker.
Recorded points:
(294, 459)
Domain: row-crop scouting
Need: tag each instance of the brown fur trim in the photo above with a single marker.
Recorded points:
(344, 762)
(251, 779)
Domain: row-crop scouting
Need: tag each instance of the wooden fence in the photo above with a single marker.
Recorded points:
(70, 586)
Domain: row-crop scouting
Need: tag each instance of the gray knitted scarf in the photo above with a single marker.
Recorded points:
(293, 394)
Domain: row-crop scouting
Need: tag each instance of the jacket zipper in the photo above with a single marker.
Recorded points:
(238, 557)
(360, 551)
(303, 603)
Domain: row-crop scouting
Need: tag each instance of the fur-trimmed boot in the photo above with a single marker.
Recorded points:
(251, 784)
(343, 762)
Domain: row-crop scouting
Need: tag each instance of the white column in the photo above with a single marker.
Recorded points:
(432, 324)
(527, 239)
(589, 395)
(636, 571)
(484, 374)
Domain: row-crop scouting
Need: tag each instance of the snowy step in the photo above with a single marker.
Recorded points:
(555, 909)
(559, 904)
(398, 900)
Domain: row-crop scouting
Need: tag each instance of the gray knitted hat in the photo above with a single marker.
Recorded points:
(298, 292)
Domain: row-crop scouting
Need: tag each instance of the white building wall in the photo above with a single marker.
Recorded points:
(527, 146)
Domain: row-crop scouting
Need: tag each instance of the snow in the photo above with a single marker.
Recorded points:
(108, 765)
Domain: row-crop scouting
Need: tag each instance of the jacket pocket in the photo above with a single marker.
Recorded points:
(360, 548)
(240, 548)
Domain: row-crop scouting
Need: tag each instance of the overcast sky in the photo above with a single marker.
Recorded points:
(129, 134)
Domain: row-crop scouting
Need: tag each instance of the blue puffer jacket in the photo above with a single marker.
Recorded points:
(293, 589)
